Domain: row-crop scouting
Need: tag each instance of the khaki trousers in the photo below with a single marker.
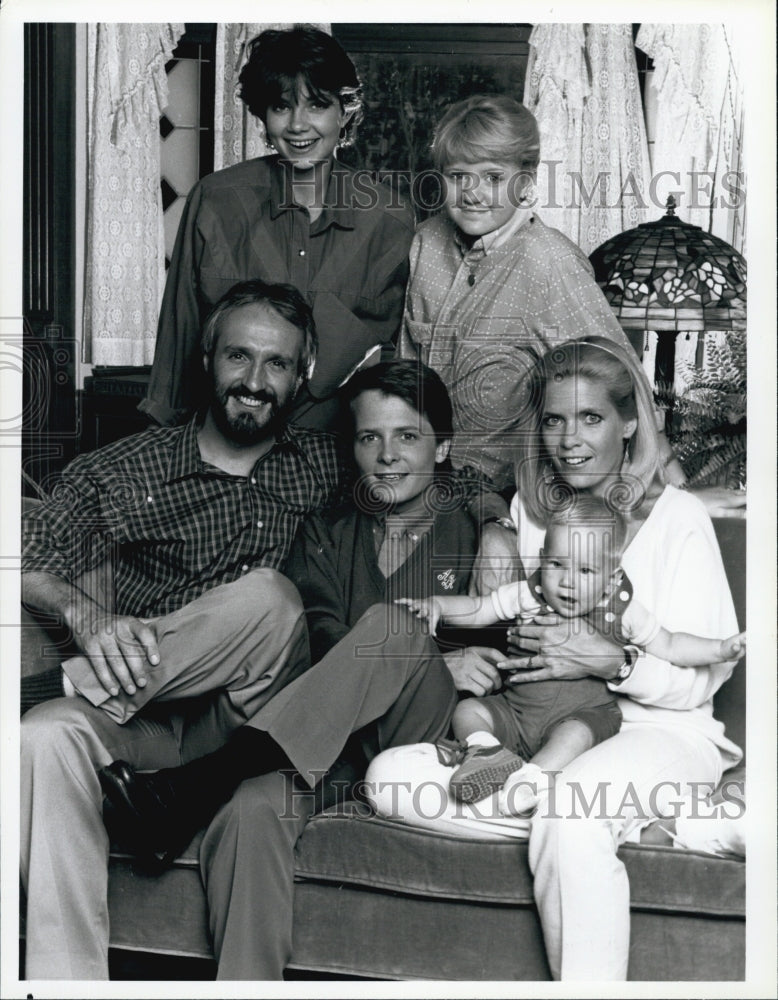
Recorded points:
(245, 641)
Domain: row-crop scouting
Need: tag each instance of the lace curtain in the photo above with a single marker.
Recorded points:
(125, 258)
(582, 85)
(238, 135)
(556, 86)
(699, 121)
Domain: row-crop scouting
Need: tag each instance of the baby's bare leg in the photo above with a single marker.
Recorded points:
(523, 788)
(470, 716)
(566, 741)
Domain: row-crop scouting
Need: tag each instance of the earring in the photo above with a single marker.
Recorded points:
(529, 195)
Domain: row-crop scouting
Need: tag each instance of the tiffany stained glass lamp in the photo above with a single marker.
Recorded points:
(671, 277)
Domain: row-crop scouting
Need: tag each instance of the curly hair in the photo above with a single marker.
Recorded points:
(280, 60)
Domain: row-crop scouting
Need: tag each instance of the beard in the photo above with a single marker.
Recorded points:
(243, 428)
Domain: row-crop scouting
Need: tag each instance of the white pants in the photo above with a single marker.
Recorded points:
(599, 801)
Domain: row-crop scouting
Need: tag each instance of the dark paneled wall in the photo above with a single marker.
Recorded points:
(50, 414)
(411, 73)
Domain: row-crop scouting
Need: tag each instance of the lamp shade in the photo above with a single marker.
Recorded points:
(671, 275)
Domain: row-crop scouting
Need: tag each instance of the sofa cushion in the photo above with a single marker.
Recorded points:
(388, 856)
(363, 879)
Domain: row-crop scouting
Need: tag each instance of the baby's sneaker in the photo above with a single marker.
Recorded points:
(483, 770)
(522, 790)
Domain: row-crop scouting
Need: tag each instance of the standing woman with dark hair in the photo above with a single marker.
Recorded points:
(297, 216)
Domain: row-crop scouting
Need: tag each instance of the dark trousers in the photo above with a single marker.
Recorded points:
(384, 672)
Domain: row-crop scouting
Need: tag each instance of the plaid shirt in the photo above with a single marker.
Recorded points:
(170, 527)
(480, 316)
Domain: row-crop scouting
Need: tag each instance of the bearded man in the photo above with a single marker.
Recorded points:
(160, 553)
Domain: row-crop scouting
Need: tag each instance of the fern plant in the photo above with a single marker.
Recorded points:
(707, 425)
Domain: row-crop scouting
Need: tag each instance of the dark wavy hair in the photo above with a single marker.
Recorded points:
(413, 382)
(280, 60)
(285, 299)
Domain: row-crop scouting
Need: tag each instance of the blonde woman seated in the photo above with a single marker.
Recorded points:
(591, 431)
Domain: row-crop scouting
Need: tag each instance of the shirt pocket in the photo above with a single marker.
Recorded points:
(490, 365)
(420, 334)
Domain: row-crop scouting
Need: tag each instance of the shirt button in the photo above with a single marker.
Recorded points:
(301, 253)
(244, 569)
(149, 499)
(253, 481)
(260, 524)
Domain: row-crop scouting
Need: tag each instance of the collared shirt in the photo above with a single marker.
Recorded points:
(496, 238)
(616, 615)
(528, 292)
(351, 264)
(170, 526)
(396, 535)
(334, 565)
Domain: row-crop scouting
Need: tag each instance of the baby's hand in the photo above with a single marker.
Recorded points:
(734, 647)
(426, 608)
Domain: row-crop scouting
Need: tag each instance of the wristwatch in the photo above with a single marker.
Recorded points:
(631, 654)
(504, 522)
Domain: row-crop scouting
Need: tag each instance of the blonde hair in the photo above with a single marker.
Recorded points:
(543, 491)
(590, 512)
(488, 127)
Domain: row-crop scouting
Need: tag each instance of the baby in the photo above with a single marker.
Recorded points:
(550, 723)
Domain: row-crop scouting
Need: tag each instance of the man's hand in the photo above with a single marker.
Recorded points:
(475, 669)
(559, 649)
(497, 560)
(119, 648)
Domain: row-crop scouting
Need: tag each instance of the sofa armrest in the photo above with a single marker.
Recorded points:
(730, 700)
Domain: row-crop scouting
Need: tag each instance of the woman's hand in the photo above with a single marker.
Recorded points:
(474, 669)
(720, 501)
(734, 647)
(560, 649)
(497, 561)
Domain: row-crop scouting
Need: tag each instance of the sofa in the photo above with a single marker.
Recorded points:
(375, 899)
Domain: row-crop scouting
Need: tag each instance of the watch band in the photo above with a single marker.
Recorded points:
(631, 654)
(504, 522)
